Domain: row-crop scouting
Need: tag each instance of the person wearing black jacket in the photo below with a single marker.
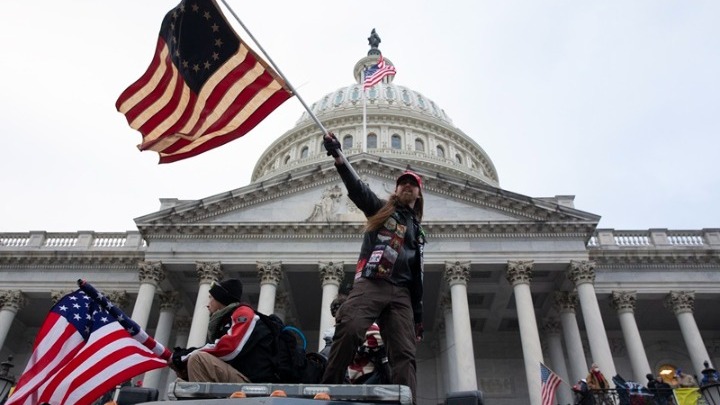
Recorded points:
(388, 285)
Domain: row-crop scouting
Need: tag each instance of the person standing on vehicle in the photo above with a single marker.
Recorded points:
(388, 284)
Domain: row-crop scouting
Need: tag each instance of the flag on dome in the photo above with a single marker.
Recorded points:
(85, 347)
(550, 382)
(204, 87)
(375, 73)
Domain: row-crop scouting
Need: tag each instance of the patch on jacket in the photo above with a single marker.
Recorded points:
(241, 319)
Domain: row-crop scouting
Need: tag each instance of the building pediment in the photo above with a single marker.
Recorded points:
(303, 200)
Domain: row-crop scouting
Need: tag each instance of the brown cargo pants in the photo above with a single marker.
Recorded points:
(204, 367)
(369, 301)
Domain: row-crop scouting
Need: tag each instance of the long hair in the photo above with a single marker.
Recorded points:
(376, 221)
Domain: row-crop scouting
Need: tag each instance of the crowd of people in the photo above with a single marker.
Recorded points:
(658, 390)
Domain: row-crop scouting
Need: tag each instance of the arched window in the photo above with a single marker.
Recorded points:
(372, 141)
(458, 158)
(304, 152)
(347, 142)
(395, 141)
(440, 151)
(419, 145)
(286, 160)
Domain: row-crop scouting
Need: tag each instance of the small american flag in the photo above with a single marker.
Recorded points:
(375, 73)
(550, 382)
(203, 88)
(82, 351)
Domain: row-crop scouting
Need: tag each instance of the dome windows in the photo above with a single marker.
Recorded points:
(339, 98)
(406, 97)
(458, 158)
(286, 160)
(396, 141)
(304, 152)
(419, 145)
(372, 141)
(390, 93)
(440, 151)
(347, 142)
(355, 95)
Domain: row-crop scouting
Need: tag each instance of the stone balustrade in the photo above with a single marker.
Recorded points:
(654, 238)
(89, 240)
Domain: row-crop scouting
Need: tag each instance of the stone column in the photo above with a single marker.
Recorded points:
(169, 303)
(207, 272)
(270, 275)
(182, 328)
(11, 301)
(551, 329)
(56, 295)
(150, 275)
(624, 304)
(566, 302)
(451, 369)
(282, 305)
(119, 298)
(582, 273)
(331, 275)
(457, 275)
(519, 274)
(682, 304)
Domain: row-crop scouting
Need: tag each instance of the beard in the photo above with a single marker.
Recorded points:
(406, 198)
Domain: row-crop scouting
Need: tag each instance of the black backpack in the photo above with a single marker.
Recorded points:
(290, 362)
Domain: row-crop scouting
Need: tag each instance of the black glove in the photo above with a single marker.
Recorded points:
(419, 331)
(332, 145)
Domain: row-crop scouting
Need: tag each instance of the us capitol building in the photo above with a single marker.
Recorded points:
(510, 280)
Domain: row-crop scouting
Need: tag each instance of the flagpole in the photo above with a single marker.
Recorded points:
(287, 82)
(365, 137)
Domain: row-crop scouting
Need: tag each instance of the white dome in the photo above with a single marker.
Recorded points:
(402, 124)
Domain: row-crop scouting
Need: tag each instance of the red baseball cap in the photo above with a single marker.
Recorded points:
(412, 175)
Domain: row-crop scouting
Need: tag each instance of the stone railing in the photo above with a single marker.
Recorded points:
(654, 238)
(79, 240)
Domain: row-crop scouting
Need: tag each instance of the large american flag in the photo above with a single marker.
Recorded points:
(82, 351)
(375, 73)
(550, 382)
(204, 86)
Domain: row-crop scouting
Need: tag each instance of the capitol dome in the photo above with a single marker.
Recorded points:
(402, 125)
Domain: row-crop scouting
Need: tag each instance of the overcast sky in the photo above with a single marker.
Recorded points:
(615, 102)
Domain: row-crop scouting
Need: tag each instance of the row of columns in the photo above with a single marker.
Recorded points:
(459, 362)
(457, 340)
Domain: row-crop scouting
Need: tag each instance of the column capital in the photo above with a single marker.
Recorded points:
(519, 271)
(169, 301)
(457, 272)
(581, 271)
(151, 272)
(331, 272)
(551, 326)
(282, 301)
(623, 301)
(56, 295)
(269, 272)
(566, 301)
(209, 271)
(119, 298)
(12, 300)
(446, 302)
(182, 324)
(680, 301)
